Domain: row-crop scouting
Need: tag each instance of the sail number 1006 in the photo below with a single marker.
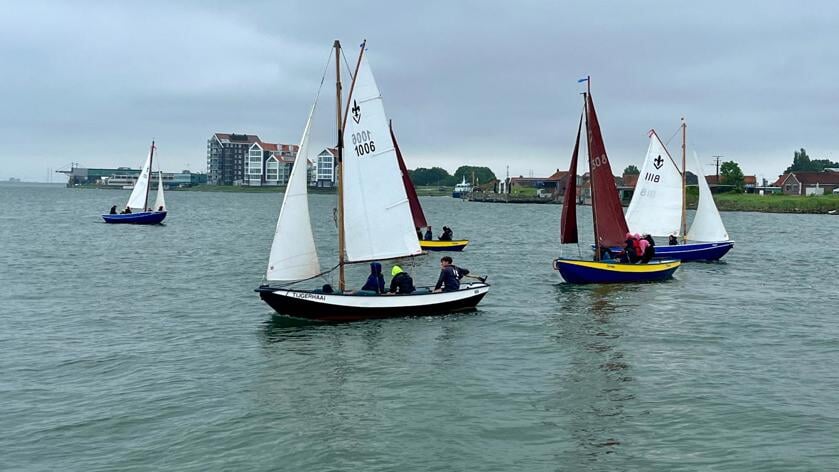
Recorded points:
(363, 143)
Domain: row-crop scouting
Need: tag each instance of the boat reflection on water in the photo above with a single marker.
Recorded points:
(596, 384)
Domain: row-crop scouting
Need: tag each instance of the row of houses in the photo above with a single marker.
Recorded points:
(245, 159)
(553, 187)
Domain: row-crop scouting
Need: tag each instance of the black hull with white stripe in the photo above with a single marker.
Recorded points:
(312, 305)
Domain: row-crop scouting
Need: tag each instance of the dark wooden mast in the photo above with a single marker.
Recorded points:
(339, 168)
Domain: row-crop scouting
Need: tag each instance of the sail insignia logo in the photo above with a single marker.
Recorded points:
(658, 162)
(356, 112)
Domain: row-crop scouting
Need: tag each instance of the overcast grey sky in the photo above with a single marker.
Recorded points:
(480, 83)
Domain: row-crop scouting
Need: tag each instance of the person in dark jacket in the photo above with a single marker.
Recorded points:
(419, 234)
(114, 210)
(401, 283)
(649, 250)
(450, 275)
(447, 234)
(673, 240)
(428, 234)
(375, 281)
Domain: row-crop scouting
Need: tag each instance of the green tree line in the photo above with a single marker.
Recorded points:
(422, 176)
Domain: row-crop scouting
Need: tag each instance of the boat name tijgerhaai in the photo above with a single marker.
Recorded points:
(308, 296)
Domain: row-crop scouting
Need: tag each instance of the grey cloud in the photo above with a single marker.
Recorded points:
(465, 82)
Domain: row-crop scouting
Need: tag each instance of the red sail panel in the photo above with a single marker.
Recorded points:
(410, 191)
(568, 229)
(609, 222)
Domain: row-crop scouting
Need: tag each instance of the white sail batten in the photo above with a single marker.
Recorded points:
(159, 201)
(656, 206)
(377, 215)
(137, 199)
(293, 254)
(707, 224)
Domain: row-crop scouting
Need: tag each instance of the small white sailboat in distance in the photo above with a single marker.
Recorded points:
(137, 209)
(659, 207)
(374, 220)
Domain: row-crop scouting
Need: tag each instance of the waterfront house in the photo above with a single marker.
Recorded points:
(808, 183)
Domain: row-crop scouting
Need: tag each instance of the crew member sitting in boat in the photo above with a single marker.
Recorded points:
(428, 234)
(447, 234)
(114, 210)
(375, 281)
(419, 234)
(160, 208)
(127, 211)
(630, 251)
(648, 248)
(450, 275)
(673, 241)
(401, 283)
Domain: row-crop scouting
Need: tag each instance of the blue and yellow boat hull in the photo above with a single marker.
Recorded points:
(456, 245)
(611, 272)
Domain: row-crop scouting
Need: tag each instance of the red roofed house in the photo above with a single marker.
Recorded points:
(808, 183)
(270, 164)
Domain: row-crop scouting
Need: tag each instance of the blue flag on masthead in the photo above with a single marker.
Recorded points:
(584, 79)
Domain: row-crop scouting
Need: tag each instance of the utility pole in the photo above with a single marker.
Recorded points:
(717, 163)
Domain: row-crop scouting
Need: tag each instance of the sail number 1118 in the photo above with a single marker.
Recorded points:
(363, 143)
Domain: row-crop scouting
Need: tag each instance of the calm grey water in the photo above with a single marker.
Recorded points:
(145, 348)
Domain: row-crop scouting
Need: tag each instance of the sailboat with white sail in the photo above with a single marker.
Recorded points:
(659, 206)
(607, 216)
(137, 209)
(373, 216)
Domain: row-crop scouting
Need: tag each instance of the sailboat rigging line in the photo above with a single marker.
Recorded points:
(346, 63)
(289, 284)
(674, 135)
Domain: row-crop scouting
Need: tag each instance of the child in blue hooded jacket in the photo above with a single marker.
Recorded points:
(375, 281)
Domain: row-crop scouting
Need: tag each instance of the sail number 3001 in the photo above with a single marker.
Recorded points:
(363, 143)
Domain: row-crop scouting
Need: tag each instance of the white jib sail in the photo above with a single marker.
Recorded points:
(707, 224)
(656, 206)
(137, 199)
(377, 215)
(293, 254)
(159, 201)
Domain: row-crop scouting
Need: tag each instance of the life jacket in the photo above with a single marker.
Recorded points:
(636, 244)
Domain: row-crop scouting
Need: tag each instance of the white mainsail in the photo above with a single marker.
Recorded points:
(138, 195)
(707, 224)
(159, 202)
(377, 215)
(656, 206)
(293, 253)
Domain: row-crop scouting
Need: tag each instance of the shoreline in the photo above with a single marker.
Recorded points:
(814, 205)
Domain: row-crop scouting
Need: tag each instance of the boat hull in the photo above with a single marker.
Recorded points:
(142, 218)
(694, 251)
(593, 272)
(712, 251)
(456, 245)
(311, 305)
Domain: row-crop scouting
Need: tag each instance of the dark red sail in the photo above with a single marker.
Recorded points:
(416, 208)
(609, 223)
(568, 228)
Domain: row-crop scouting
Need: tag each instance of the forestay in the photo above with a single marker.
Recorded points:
(656, 206)
(293, 253)
(707, 224)
(159, 202)
(377, 216)
(138, 195)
